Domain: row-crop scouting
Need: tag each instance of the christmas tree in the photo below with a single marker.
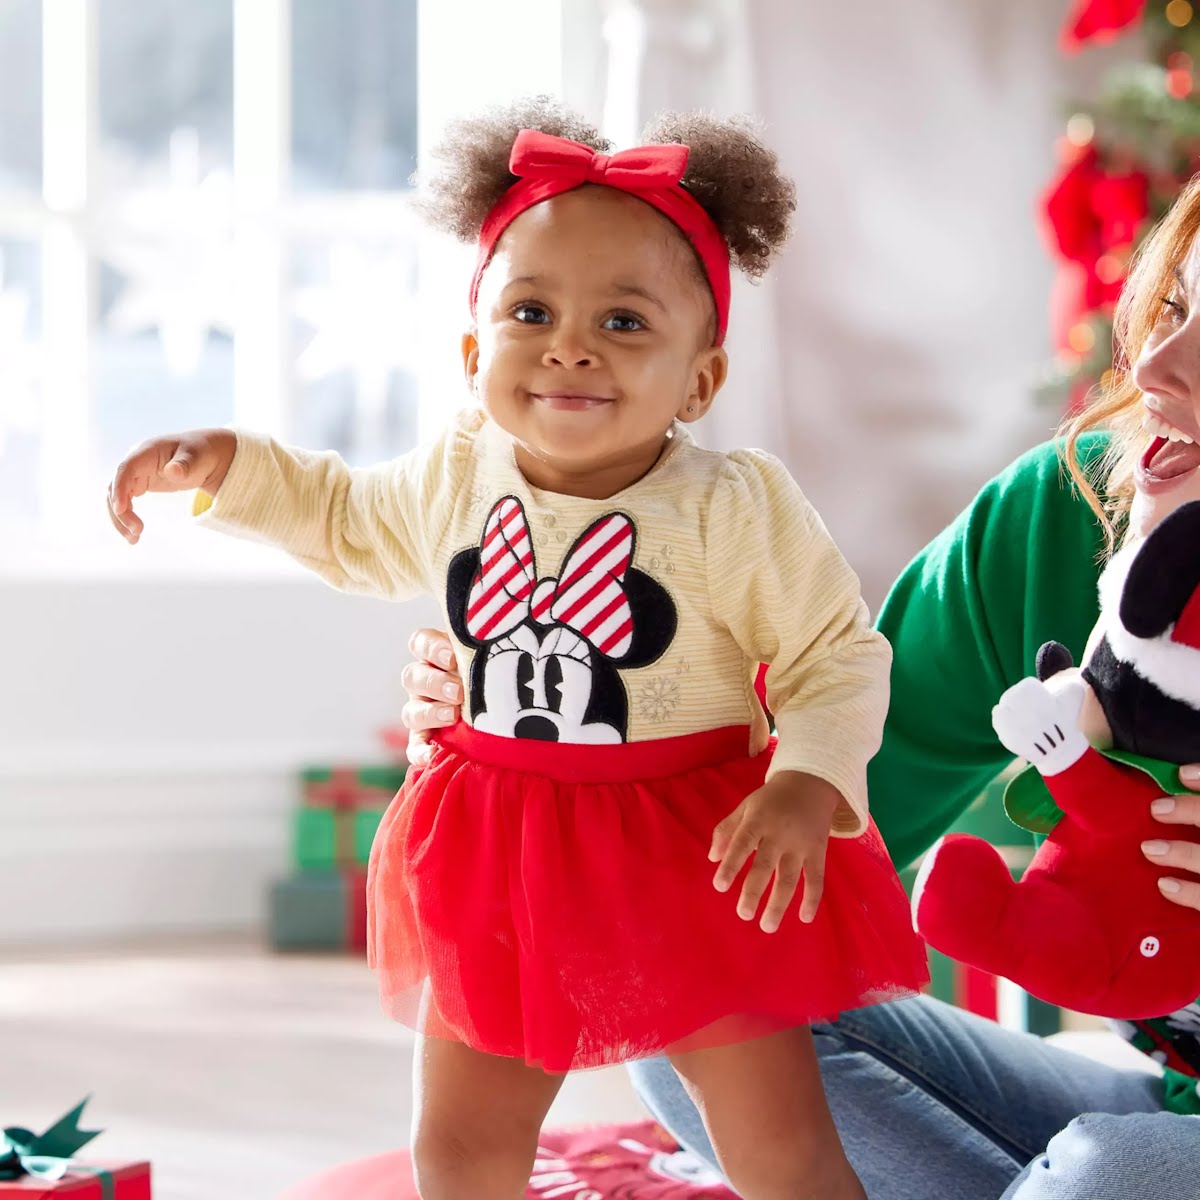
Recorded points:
(1123, 161)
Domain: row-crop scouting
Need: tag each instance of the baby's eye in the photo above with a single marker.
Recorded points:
(531, 314)
(624, 323)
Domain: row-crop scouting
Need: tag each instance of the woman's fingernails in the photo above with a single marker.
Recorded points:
(1162, 806)
(444, 714)
(444, 657)
(1155, 848)
(1170, 886)
(450, 691)
(1190, 773)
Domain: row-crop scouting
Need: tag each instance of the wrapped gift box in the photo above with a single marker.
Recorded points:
(351, 787)
(341, 809)
(319, 910)
(45, 1164)
(125, 1181)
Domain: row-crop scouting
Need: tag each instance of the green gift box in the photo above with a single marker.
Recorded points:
(370, 786)
(319, 910)
(366, 824)
(339, 814)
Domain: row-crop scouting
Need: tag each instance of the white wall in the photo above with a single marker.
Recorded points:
(890, 359)
(150, 733)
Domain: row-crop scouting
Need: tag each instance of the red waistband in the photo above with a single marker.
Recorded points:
(623, 762)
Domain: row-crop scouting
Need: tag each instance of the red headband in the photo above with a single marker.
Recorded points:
(549, 166)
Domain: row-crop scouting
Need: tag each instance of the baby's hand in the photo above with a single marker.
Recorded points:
(178, 463)
(785, 825)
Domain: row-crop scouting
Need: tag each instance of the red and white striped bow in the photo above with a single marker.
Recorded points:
(589, 597)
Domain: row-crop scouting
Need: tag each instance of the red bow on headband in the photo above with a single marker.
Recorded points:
(547, 166)
(637, 170)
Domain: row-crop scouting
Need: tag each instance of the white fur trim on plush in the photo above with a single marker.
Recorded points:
(1172, 667)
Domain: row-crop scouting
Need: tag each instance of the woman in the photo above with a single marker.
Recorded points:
(933, 1103)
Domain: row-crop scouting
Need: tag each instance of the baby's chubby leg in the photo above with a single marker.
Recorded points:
(765, 1111)
(476, 1122)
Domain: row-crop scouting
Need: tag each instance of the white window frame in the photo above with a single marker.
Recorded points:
(470, 53)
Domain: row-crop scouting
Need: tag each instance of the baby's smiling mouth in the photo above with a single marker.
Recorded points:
(572, 401)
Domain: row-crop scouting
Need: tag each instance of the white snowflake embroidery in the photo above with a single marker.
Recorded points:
(659, 698)
(477, 498)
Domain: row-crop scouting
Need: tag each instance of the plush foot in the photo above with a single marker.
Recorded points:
(961, 897)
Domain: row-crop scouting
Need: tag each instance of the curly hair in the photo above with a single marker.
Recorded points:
(733, 175)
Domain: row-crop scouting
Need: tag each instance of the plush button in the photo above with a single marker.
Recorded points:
(1149, 946)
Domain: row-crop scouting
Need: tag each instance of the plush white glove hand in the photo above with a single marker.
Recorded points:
(1042, 725)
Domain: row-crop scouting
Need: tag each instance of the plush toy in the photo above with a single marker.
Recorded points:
(1086, 927)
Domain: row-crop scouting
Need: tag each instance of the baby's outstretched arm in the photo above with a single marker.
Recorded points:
(178, 462)
(365, 530)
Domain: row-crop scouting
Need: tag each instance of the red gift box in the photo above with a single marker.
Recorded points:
(129, 1181)
(44, 1164)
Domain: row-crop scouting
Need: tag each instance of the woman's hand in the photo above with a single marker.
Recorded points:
(1178, 810)
(785, 825)
(435, 691)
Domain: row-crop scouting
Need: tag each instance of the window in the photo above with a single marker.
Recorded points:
(203, 221)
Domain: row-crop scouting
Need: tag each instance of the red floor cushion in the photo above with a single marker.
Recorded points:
(638, 1161)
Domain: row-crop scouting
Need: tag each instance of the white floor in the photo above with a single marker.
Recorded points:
(235, 1072)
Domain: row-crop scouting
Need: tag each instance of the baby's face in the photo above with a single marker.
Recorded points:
(594, 333)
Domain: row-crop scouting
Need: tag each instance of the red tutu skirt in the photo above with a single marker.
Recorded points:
(554, 903)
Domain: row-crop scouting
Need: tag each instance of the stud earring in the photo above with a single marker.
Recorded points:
(691, 408)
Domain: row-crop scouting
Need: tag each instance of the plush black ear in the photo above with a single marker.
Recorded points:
(655, 619)
(1164, 574)
(1052, 658)
(460, 575)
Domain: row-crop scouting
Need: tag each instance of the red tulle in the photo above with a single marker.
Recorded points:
(554, 903)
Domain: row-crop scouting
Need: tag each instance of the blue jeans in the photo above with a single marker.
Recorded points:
(933, 1103)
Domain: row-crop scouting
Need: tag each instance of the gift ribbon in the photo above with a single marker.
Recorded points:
(50, 1155)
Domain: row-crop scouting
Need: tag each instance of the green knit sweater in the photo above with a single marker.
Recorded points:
(966, 618)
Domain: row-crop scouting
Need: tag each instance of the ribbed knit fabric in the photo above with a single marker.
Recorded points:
(746, 573)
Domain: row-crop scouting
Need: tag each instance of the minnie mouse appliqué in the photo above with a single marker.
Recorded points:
(548, 650)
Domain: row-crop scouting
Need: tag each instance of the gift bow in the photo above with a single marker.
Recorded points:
(642, 169)
(589, 596)
(50, 1155)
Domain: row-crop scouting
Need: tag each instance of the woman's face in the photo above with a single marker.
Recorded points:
(1168, 374)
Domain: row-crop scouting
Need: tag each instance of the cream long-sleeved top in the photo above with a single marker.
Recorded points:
(643, 615)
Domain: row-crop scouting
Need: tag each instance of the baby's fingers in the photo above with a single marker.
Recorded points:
(128, 524)
(741, 846)
(755, 884)
(723, 833)
(814, 885)
(787, 879)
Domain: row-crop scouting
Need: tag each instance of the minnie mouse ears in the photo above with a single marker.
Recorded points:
(1163, 585)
